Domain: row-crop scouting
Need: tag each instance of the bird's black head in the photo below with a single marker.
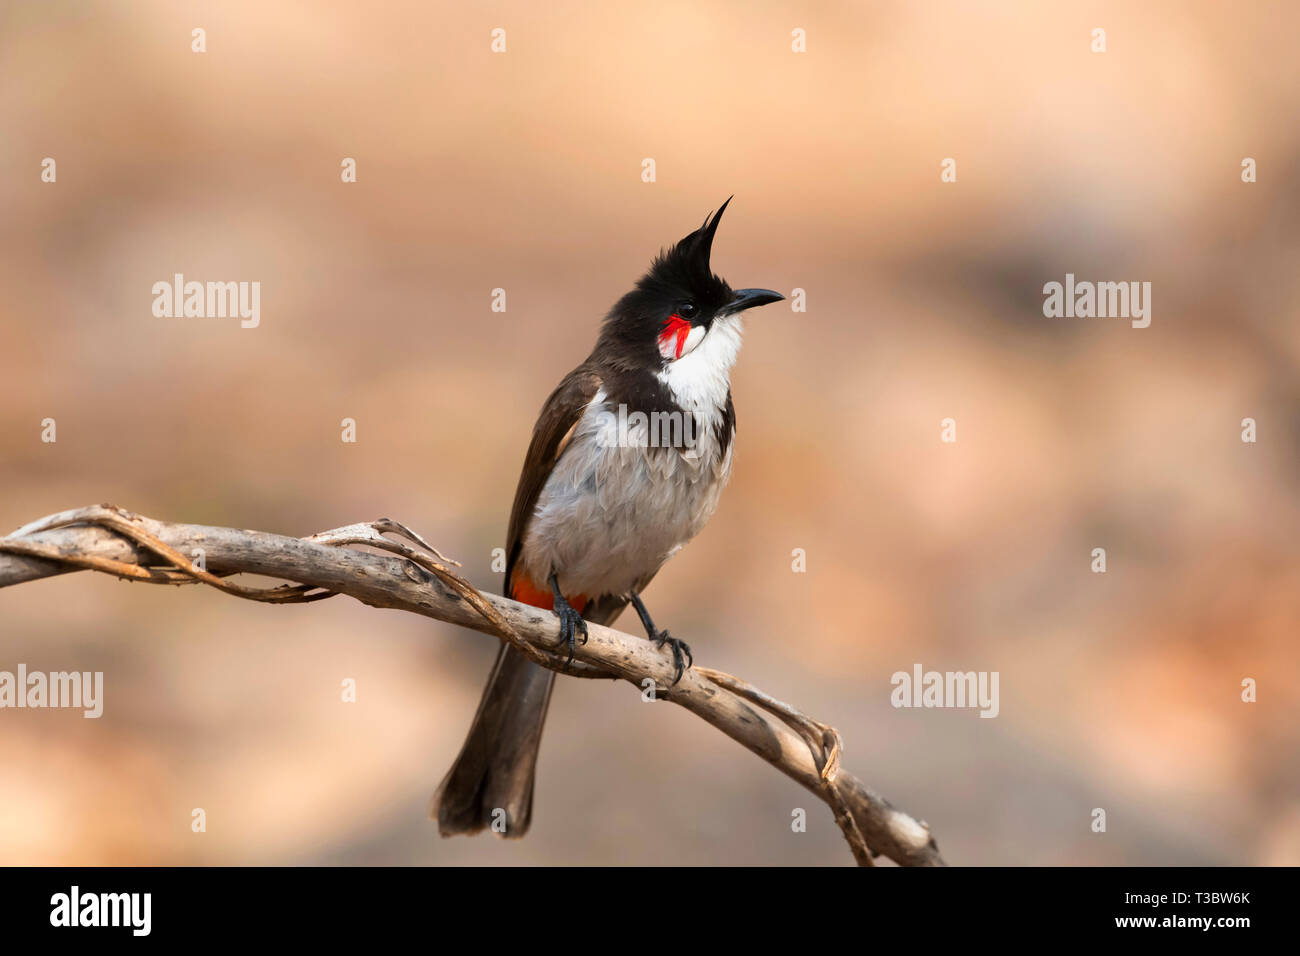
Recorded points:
(675, 304)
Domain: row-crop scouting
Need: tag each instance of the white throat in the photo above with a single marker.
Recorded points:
(700, 379)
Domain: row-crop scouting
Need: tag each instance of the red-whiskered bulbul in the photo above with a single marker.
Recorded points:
(603, 502)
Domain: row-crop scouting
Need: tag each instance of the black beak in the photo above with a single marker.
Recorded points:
(749, 298)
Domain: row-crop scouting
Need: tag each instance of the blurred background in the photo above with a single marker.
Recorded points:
(522, 170)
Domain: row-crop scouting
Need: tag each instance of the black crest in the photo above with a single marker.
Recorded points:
(688, 261)
(679, 275)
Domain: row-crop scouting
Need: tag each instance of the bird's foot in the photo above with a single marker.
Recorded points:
(682, 656)
(571, 624)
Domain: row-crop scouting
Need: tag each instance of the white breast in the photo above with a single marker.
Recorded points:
(615, 507)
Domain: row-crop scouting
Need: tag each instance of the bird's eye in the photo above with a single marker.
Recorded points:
(686, 310)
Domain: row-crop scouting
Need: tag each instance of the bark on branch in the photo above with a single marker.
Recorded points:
(412, 576)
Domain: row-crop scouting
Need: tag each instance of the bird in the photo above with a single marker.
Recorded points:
(626, 464)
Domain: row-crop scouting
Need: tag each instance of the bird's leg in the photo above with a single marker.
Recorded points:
(571, 622)
(663, 637)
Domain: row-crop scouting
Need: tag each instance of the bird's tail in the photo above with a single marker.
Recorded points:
(491, 782)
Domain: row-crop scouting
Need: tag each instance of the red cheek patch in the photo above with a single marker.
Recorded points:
(678, 328)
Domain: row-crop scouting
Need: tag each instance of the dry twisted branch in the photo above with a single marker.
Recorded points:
(418, 579)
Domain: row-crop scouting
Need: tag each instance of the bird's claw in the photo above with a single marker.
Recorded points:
(679, 647)
(571, 625)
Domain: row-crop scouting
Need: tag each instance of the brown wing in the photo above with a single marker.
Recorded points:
(551, 437)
